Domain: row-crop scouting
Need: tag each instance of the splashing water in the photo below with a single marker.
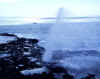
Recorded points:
(70, 36)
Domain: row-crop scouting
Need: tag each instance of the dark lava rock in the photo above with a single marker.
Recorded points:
(90, 76)
(59, 72)
(51, 73)
(34, 41)
(11, 65)
(17, 61)
(7, 34)
(2, 47)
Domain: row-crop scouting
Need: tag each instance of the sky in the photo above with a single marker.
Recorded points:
(48, 8)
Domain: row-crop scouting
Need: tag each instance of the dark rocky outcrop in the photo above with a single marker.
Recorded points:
(7, 34)
(17, 60)
(25, 54)
(90, 76)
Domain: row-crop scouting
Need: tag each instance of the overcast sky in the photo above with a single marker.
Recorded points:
(48, 8)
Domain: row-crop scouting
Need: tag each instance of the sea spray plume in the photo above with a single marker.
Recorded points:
(52, 36)
(60, 15)
(60, 36)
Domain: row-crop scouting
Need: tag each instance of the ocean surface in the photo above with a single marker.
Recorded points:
(41, 30)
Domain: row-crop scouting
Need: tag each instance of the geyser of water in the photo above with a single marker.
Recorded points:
(70, 36)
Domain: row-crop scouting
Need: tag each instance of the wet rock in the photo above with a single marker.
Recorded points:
(56, 73)
(7, 34)
(90, 76)
(33, 41)
(26, 49)
(2, 47)
(11, 65)
(7, 39)
(25, 56)
(59, 72)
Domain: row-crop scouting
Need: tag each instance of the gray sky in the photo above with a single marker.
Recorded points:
(48, 8)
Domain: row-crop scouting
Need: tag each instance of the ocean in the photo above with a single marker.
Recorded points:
(41, 30)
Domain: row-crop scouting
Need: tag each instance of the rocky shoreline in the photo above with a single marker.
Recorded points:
(21, 59)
